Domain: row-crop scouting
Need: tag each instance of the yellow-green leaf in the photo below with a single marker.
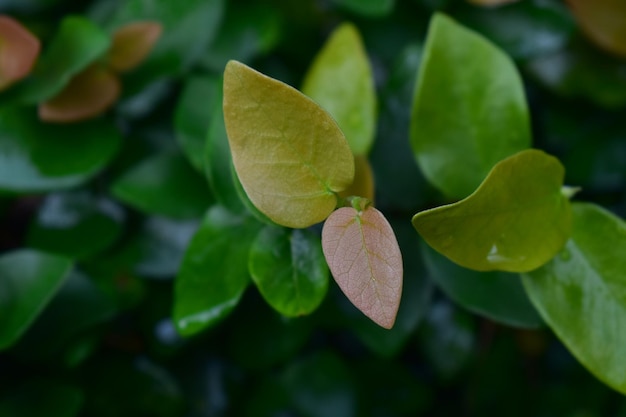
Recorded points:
(341, 81)
(289, 154)
(516, 221)
(364, 258)
(363, 185)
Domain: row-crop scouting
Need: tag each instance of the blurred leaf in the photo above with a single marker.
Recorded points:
(290, 155)
(66, 224)
(53, 398)
(363, 185)
(526, 29)
(340, 80)
(447, 339)
(498, 296)
(77, 44)
(195, 115)
(516, 221)
(582, 296)
(164, 184)
(289, 269)
(603, 22)
(368, 8)
(365, 260)
(131, 45)
(580, 71)
(491, 2)
(28, 280)
(469, 110)
(320, 385)
(214, 272)
(19, 50)
(247, 31)
(39, 157)
(88, 94)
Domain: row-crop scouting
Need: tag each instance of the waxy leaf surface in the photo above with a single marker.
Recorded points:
(18, 51)
(289, 154)
(581, 293)
(516, 221)
(364, 258)
(603, 22)
(214, 272)
(289, 269)
(469, 109)
(28, 280)
(341, 81)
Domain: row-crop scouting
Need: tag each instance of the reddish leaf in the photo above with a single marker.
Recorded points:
(18, 51)
(603, 22)
(132, 43)
(89, 94)
(364, 258)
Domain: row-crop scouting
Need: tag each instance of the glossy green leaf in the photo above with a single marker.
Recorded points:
(200, 100)
(499, 296)
(516, 221)
(38, 157)
(602, 21)
(365, 260)
(77, 44)
(581, 293)
(469, 109)
(289, 269)
(54, 398)
(164, 184)
(289, 154)
(214, 272)
(369, 8)
(28, 280)
(66, 224)
(340, 80)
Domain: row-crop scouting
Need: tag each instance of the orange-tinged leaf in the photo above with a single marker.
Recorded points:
(132, 43)
(18, 51)
(364, 258)
(87, 95)
(363, 185)
(603, 21)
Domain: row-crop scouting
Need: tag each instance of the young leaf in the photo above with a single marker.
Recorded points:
(214, 271)
(603, 22)
(364, 258)
(29, 280)
(581, 293)
(469, 110)
(87, 95)
(363, 185)
(18, 51)
(289, 270)
(516, 221)
(131, 44)
(341, 81)
(289, 154)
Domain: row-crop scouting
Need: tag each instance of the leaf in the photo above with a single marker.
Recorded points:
(19, 50)
(28, 280)
(200, 100)
(516, 221)
(289, 270)
(54, 398)
(498, 296)
(38, 157)
(66, 224)
(602, 21)
(340, 80)
(491, 2)
(369, 8)
(469, 110)
(89, 94)
(131, 44)
(289, 154)
(363, 185)
(214, 272)
(581, 293)
(77, 44)
(364, 258)
(164, 184)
